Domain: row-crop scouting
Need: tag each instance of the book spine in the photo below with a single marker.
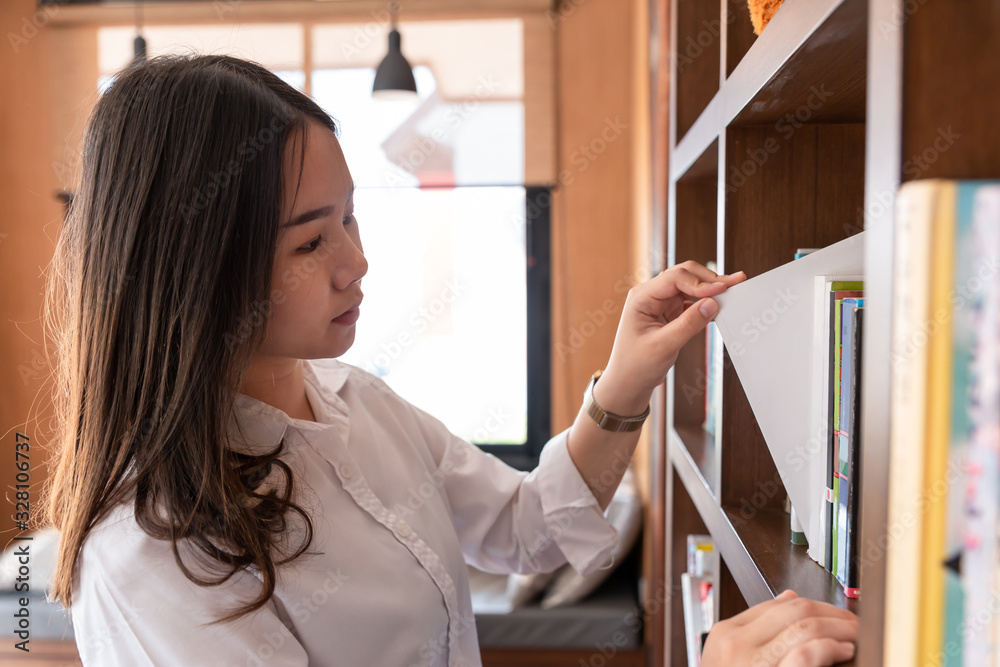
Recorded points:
(831, 467)
(978, 324)
(937, 425)
(835, 444)
(852, 579)
(844, 436)
(915, 203)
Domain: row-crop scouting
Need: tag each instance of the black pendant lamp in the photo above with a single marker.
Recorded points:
(394, 77)
(139, 45)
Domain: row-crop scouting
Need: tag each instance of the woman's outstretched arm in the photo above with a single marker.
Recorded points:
(659, 317)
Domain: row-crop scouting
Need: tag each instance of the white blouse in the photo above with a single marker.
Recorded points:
(399, 505)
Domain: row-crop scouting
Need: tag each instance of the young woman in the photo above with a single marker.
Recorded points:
(228, 493)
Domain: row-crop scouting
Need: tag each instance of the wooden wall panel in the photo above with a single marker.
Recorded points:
(29, 221)
(539, 100)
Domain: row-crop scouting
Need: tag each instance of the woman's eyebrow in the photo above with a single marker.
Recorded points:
(320, 212)
(306, 216)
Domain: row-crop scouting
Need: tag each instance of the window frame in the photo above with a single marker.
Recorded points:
(537, 225)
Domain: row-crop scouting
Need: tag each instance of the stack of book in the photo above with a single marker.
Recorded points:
(837, 344)
(844, 309)
(942, 555)
(698, 594)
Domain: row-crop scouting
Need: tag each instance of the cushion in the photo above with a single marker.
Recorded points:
(523, 588)
(611, 616)
(624, 513)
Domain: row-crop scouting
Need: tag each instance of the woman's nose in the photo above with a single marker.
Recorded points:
(351, 265)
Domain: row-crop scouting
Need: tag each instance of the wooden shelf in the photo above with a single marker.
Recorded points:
(795, 138)
(699, 445)
(797, 65)
(756, 545)
(773, 563)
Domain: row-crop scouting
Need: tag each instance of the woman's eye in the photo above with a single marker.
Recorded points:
(309, 247)
(348, 219)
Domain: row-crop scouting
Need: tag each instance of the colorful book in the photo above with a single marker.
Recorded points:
(833, 452)
(915, 212)
(852, 578)
(976, 422)
(819, 524)
(936, 425)
(847, 388)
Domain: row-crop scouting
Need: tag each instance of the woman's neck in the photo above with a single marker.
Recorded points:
(279, 382)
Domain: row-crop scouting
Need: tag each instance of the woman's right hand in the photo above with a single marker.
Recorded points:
(787, 631)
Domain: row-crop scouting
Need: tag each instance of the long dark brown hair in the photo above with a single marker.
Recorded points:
(154, 303)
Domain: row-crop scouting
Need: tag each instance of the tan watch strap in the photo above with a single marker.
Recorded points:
(608, 420)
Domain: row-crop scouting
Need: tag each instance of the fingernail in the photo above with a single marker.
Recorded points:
(848, 646)
(709, 308)
(786, 594)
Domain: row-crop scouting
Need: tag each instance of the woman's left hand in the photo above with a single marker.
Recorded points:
(659, 317)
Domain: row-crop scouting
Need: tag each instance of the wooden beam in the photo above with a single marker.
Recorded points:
(270, 11)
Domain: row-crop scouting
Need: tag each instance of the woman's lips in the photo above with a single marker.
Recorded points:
(348, 318)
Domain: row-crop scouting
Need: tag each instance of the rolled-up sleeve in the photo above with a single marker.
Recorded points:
(511, 521)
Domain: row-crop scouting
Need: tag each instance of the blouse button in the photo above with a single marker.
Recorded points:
(345, 471)
(404, 530)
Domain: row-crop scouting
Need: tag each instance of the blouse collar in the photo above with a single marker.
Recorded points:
(260, 426)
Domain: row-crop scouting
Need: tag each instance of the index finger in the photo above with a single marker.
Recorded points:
(679, 280)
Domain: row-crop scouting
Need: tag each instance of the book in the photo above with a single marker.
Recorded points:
(852, 576)
(848, 376)
(697, 594)
(936, 425)
(976, 422)
(820, 524)
(767, 325)
(915, 209)
(836, 359)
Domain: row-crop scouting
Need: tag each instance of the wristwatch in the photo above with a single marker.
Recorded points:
(607, 420)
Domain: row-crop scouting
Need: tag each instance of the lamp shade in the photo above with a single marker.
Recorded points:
(139, 49)
(394, 76)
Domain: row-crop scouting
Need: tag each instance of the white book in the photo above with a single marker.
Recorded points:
(767, 325)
